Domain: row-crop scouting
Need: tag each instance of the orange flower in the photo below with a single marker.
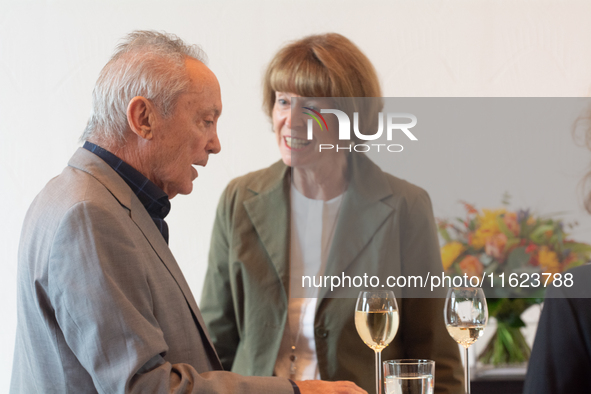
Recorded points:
(510, 220)
(548, 234)
(470, 208)
(495, 246)
(471, 266)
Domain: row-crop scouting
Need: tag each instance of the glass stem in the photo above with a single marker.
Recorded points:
(378, 371)
(466, 371)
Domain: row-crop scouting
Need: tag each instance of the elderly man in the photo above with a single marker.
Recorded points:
(102, 304)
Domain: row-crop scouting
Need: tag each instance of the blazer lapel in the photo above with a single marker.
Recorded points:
(144, 222)
(363, 212)
(269, 213)
(92, 164)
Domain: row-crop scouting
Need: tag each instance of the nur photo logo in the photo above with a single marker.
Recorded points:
(395, 121)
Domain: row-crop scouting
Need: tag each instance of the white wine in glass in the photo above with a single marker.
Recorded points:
(466, 315)
(376, 320)
(466, 335)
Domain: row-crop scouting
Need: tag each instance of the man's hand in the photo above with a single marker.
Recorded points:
(324, 387)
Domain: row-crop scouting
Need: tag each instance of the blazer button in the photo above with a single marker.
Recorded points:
(321, 332)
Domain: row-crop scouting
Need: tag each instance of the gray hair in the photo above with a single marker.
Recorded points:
(148, 64)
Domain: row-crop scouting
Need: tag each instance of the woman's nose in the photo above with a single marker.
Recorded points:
(296, 121)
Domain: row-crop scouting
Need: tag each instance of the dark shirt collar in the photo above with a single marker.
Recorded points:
(151, 196)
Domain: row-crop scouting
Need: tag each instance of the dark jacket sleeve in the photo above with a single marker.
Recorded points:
(561, 357)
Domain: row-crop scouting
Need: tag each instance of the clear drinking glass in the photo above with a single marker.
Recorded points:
(376, 320)
(409, 376)
(466, 315)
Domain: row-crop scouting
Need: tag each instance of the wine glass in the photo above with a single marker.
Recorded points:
(466, 315)
(376, 320)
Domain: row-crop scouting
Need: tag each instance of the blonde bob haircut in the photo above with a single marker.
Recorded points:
(324, 65)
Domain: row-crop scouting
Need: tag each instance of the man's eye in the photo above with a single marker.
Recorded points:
(209, 122)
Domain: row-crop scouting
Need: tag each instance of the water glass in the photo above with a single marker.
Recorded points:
(409, 376)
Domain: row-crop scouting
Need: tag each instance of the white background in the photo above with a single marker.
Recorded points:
(52, 51)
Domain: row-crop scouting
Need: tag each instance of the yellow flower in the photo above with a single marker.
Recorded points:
(450, 252)
(548, 260)
(487, 227)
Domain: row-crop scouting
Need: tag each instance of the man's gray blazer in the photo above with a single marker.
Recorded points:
(102, 304)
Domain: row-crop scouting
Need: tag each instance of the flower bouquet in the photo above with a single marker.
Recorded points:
(515, 255)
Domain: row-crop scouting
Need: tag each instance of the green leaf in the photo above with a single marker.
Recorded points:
(538, 234)
(494, 304)
(574, 264)
(577, 247)
(486, 260)
(517, 258)
(528, 269)
(534, 301)
(507, 346)
(499, 354)
(511, 243)
(444, 234)
(537, 294)
(506, 199)
(509, 312)
(497, 291)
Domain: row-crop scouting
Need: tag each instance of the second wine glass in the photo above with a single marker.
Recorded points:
(466, 315)
(376, 320)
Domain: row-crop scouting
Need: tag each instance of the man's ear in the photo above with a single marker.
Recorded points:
(140, 117)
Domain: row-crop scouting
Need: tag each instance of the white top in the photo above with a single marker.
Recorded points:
(313, 224)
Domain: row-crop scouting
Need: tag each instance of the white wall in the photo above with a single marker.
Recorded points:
(51, 53)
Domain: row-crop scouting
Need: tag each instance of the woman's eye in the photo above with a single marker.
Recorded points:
(282, 101)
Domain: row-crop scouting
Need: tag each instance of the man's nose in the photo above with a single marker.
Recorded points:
(214, 145)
